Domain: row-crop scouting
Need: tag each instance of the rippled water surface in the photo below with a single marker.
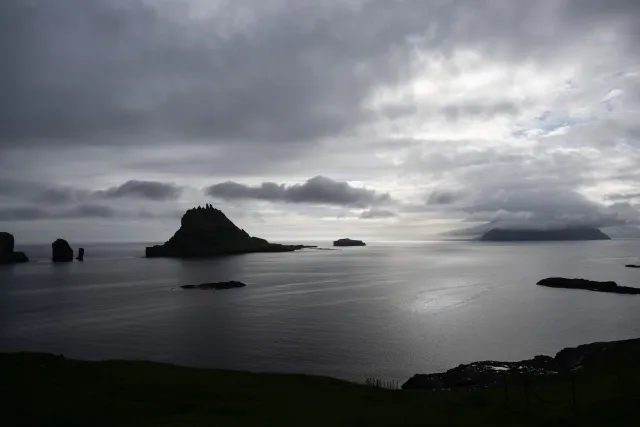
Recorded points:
(387, 310)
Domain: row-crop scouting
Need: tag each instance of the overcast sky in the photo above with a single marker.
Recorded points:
(375, 119)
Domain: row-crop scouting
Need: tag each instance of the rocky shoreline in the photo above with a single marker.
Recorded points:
(602, 355)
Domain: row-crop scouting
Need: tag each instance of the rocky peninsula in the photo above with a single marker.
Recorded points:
(206, 232)
(532, 235)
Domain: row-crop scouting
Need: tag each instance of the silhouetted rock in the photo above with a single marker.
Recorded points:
(62, 252)
(6, 242)
(593, 357)
(216, 285)
(207, 232)
(7, 254)
(589, 285)
(481, 374)
(525, 235)
(632, 266)
(348, 242)
(80, 254)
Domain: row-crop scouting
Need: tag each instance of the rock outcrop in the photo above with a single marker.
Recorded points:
(481, 374)
(216, 285)
(7, 254)
(589, 285)
(349, 242)
(632, 266)
(61, 251)
(80, 256)
(206, 232)
(527, 235)
(590, 357)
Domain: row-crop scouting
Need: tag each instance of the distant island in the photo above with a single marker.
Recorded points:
(207, 232)
(559, 234)
(349, 242)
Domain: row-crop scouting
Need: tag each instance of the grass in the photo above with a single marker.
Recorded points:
(46, 390)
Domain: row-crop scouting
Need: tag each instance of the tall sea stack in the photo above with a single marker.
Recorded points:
(61, 251)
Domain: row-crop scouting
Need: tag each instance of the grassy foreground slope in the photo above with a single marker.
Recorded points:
(47, 390)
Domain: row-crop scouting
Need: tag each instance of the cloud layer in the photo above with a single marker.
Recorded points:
(316, 190)
(420, 117)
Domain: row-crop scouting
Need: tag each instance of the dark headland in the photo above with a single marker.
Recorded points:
(206, 232)
(349, 242)
(531, 235)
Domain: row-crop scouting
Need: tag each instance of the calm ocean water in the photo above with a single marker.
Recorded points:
(388, 310)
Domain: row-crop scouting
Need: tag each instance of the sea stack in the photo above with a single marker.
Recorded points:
(349, 242)
(531, 235)
(7, 254)
(61, 251)
(206, 232)
(80, 254)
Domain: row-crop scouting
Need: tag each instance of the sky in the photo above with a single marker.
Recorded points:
(375, 119)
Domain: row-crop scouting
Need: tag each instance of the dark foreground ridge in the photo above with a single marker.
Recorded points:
(216, 285)
(589, 285)
(7, 254)
(48, 390)
(525, 235)
(206, 232)
(349, 242)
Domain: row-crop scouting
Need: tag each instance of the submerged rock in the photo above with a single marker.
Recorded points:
(206, 232)
(62, 251)
(7, 254)
(216, 285)
(349, 242)
(589, 285)
(529, 235)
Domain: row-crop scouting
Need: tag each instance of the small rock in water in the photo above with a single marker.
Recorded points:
(216, 285)
(62, 251)
(80, 254)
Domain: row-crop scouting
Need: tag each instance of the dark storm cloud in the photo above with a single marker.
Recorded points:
(377, 213)
(442, 197)
(83, 72)
(77, 71)
(36, 213)
(319, 190)
(48, 194)
(150, 190)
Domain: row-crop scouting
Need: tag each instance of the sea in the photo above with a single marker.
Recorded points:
(388, 310)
